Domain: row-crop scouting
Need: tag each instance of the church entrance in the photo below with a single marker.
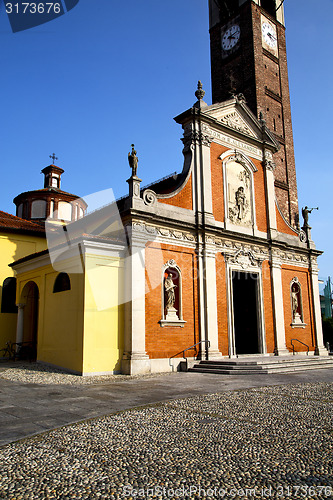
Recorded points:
(30, 296)
(245, 308)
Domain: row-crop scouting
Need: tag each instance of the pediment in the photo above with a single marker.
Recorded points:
(233, 118)
(237, 116)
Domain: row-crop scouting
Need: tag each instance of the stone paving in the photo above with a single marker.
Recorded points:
(271, 437)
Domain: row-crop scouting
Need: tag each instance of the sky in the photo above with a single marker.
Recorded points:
(109, 73)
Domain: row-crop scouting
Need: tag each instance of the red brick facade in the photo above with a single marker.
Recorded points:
(305, 334)
(183, 199)
(163, 342)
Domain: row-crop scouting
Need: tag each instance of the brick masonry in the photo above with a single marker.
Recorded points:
(183, 199)
(263, 79)
(163, 342)
(306, 334)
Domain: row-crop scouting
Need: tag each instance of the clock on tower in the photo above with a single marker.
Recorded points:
(248, 56)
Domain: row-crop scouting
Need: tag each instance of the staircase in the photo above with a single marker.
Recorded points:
(262, 365)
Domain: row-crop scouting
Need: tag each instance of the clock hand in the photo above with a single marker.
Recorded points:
(233, 35)
(271, 36)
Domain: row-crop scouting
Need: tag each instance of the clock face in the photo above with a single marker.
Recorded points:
(269, 35)
(231, 37)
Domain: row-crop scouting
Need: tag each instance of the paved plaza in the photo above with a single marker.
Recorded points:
(179, 435)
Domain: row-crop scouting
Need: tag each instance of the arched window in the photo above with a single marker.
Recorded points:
(172, 311)
(296, 303)
(62, 283)
(64, 210)
(8, 301)
(38, 209)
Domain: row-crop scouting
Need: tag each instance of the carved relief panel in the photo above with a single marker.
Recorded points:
(238, 187)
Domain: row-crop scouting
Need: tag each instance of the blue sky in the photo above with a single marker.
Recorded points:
(109, 73)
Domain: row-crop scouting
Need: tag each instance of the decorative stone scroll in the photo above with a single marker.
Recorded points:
(192, 137)
(149, 197)
(244, 259)
(268, 160)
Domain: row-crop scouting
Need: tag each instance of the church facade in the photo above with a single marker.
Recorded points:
(210, 263)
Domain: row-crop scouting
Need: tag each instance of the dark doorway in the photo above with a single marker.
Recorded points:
(30, 321)
(245, 312)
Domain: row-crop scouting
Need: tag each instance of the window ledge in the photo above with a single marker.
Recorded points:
(179, 323)
(298, 325)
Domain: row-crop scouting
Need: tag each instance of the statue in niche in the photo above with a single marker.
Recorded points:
(240, 202)
(170, 297)
(133, 161)
(295, 304)
(294, 301)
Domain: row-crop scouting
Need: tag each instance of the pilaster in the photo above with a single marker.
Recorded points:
(135, 360)
(320, 350)
(20, 323)
(269, 166)
(209, 264)
(280, 333)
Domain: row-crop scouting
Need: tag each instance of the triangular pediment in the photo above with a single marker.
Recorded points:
(233, 118)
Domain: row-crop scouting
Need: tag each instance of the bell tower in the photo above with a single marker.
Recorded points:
(248, 56)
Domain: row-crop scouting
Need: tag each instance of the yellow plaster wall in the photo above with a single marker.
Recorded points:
(81, 329)
(14, 247)
(60, 319)
(104, 315)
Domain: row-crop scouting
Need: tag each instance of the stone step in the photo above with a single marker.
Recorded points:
(268, 360)
(242, 367)
(248, 366)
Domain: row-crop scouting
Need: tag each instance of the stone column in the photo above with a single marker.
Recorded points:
(135, 359)
(211, 327)
(280, 333)
(20, 323)
(320, 350)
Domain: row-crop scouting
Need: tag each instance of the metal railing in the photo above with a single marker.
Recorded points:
(207, 342)
(296, 340)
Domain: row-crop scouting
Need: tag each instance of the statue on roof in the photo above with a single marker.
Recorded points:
(133, 161)
(305, 214)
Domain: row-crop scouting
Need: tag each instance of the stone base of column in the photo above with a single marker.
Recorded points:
(282, 351)
(214, 354)
(321, 351)
(135, 364)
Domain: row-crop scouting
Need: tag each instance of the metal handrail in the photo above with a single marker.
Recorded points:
(188, 348)
(300, 343)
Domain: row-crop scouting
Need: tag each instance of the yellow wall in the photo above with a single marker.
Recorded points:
(60, 318)
(14, 247)
(104, 315)
(80, 329)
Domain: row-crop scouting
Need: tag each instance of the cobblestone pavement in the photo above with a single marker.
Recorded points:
(34, 398)
(263, 442)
